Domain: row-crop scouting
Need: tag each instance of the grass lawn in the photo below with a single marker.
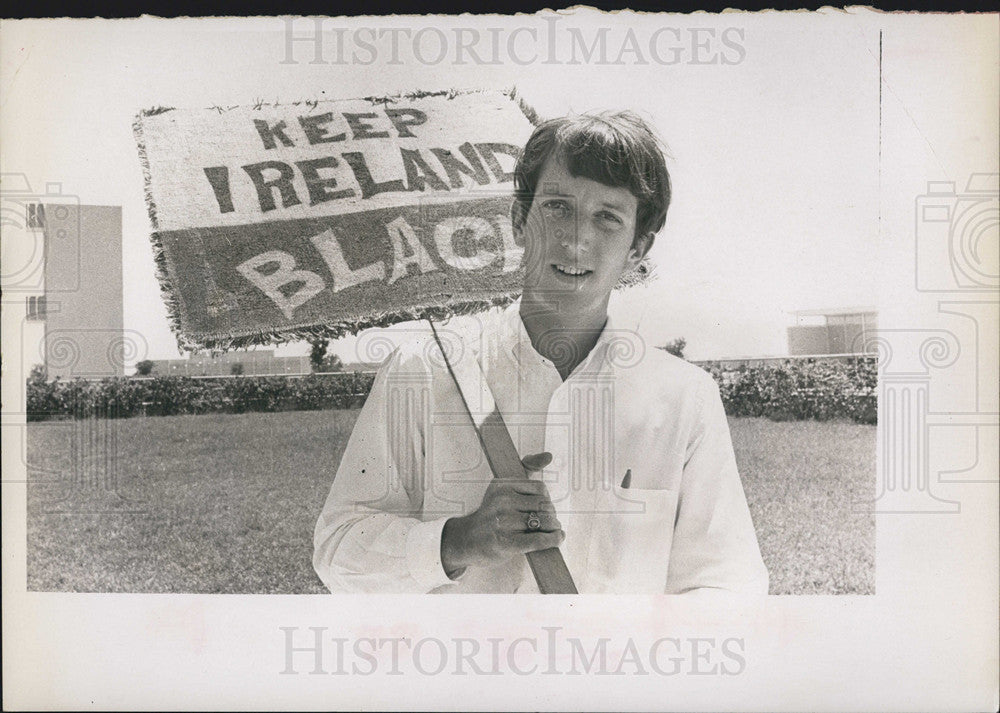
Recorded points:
(227, 503)
(808, 484)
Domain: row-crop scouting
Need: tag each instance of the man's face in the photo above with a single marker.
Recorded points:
(578, 238)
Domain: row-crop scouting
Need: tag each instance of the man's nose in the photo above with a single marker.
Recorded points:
(576, 239)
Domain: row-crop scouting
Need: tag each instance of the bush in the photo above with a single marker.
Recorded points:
(169, 395)
(820, 389)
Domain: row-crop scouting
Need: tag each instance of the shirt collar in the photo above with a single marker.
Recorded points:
(515, 337)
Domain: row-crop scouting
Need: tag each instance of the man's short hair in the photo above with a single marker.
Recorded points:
(616, 148)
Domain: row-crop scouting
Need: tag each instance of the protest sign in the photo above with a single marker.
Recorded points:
(277, 222)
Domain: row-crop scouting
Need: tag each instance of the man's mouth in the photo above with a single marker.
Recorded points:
(571, 271)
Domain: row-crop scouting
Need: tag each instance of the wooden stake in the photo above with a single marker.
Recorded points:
(548, 566)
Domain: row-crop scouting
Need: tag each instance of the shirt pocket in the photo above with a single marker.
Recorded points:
(631, 546)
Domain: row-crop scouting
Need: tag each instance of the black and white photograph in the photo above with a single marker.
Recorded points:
(683, 325)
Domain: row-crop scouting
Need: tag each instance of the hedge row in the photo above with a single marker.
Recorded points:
(820, 389)
(169, 395)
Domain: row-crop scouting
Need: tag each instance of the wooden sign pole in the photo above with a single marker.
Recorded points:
(548, 566)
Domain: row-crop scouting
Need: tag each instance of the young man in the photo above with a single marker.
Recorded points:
(631, 467)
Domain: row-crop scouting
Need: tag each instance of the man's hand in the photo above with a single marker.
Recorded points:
(498, 529)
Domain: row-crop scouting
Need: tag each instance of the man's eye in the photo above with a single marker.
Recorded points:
(610, 218)
(556, 209)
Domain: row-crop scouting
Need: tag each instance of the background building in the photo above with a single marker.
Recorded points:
(62, 283)
(249, 363)
(833, 331)
(255, 362)
(80, 304)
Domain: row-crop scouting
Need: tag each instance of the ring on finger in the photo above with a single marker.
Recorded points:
(533, 522)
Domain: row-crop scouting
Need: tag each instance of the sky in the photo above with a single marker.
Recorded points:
(774, 147)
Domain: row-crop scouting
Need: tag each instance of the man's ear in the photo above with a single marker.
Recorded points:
(514, 223)
(640, 247)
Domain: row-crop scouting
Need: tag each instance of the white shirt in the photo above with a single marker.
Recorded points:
(413, 461)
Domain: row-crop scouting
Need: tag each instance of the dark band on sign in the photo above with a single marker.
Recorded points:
(339, 268)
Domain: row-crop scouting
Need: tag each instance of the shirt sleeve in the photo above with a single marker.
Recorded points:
(715, 545)
(371, 536)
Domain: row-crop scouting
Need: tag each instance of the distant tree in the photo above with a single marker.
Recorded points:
(675, 347)
(317, 352)
(332, 362)
(321, 361)
(236, 369)
(144, 367)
